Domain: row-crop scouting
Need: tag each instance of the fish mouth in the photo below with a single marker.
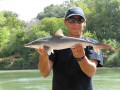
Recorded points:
(31, 46)
(26, 45)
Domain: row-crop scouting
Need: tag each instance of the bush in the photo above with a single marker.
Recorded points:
(114, 59)
(3, 64)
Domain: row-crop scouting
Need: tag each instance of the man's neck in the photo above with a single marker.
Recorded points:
(76, 36)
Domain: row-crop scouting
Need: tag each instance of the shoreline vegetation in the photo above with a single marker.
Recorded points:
(16, 63)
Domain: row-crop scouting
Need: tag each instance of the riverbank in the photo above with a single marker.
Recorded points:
(17, 63)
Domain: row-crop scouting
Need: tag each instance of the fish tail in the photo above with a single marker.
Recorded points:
(105, 46)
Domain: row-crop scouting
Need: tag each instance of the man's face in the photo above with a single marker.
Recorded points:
(75, 25)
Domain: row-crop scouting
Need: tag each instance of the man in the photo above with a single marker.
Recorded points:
(73, 68)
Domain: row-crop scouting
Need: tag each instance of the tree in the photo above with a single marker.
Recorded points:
(52, 11)
(10, 26)
(104, 18)
(4, 33)
(50, 25)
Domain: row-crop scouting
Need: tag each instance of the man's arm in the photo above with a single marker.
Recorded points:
(87, 66)
(44, 65)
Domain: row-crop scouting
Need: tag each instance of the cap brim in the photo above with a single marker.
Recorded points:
(73, 15)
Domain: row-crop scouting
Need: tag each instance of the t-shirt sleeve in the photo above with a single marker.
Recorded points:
(91, 54)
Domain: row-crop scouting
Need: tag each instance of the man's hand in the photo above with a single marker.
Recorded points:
(44, 64)
(78, 51)
(41, 51)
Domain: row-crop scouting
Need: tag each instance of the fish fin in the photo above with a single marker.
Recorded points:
(48, 49)
(59, 33)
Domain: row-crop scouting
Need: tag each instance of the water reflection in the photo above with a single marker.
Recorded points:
(24, 80)
(107, 79)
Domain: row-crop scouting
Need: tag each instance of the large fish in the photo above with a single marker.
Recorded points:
(59, 41)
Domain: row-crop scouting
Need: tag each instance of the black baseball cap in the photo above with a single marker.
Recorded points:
(75, 11)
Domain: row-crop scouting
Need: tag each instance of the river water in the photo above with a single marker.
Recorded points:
(104, 79)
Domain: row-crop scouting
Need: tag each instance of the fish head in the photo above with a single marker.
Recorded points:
(34, 44)
(39, 43)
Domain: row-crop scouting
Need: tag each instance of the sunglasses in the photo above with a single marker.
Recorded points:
(72, 20)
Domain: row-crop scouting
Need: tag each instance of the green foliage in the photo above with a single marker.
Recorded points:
(3, 64)
(2, 19)
(89, 34)
(104, 18)
(4, 33)
(114, 59)
(50, 25)
(4, 36)
(111, 42)
(8, 14)
(102, 24)
(13, 44)
(11, 34)
(23, 63)
(53, 11)
(34, 32)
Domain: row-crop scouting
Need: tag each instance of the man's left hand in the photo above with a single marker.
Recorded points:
(78, 51)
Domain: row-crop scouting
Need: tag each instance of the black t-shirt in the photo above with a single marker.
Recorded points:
(67, 74)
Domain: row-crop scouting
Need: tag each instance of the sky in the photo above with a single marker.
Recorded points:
(27, 9)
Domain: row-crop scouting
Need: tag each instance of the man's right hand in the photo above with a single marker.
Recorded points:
(41, 51)
(44, 64)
